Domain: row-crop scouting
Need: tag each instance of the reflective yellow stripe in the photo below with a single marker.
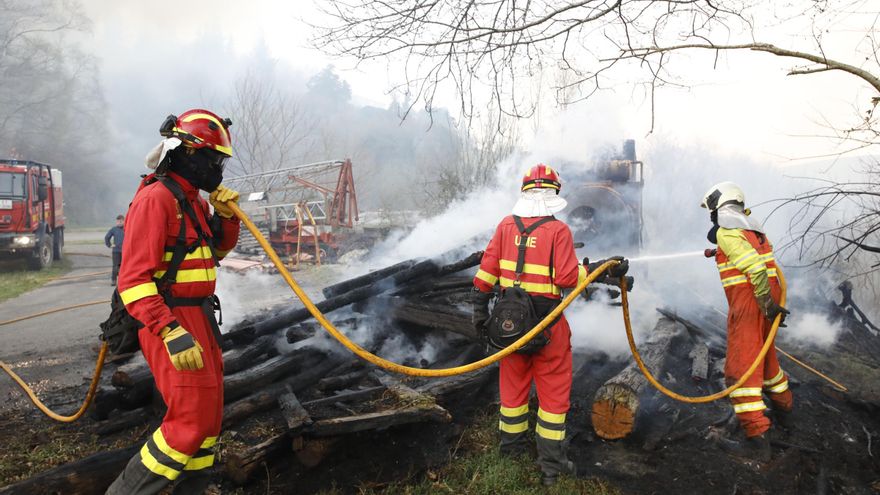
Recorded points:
(746, 259)
(531, 286)
(746, 392)
(549, 434)
(551, 417)
(776, 379)
(767, 257)
(487, 277)
(196, 275)
(137, 292)
(513, 412)
(530, 268)
(771, 272)
(223, 149)
(167, 450)
(153, 465)
(725, 266)
(197, 463)
(517, 428)
(739, 279)
(778, 389)
(749, 407)
(208, 443)
(201, 253)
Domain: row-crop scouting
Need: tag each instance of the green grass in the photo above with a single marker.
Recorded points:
(476, 468)
(33, 449)
(17, 280)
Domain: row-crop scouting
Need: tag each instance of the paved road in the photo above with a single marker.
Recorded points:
(57, 350)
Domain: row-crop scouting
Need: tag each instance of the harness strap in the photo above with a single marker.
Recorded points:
(180, 246)
(524, 232)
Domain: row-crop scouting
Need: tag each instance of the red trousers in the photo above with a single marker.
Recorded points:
(747, 328)
(549, 368)
(194, 398)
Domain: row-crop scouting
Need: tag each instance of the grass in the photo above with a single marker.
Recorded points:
(18, 280)
(476, 468)
(35, 449)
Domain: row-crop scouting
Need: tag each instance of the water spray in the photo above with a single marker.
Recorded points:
(667, 256)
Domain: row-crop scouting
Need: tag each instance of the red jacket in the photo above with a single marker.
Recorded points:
(151, 229)
(550, 265)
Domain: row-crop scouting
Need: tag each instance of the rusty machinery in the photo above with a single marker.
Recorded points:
(605, 203)
(307, 209)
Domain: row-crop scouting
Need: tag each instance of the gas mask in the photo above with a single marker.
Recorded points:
(712, 236)
(202, 168)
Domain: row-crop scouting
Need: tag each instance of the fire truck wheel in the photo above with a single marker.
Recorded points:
(42, 258)
(58, 244)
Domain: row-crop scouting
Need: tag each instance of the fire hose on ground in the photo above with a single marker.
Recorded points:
(457, 370)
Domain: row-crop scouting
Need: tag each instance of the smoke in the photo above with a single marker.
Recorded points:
(676, 177)
(811, 329)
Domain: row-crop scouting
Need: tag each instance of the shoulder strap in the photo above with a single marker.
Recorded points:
(524, 232)
(180, 246)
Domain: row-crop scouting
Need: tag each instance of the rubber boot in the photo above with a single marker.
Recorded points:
(553, 460)
(192, 482)
(755, 448)
(783, 419)
(514, 444)
(136, 479)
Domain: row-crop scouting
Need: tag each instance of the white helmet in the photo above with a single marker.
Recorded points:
(721, 194)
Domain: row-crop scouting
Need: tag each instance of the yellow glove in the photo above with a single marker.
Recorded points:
(184, 351)
(219, 198)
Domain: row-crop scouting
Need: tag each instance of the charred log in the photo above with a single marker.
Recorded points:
(617, 401)
(92, 474)
(364, 280)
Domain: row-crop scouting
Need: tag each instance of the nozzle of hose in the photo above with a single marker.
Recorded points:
(710, 253)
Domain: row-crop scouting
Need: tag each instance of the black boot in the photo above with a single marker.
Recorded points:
(550, 479)
(783, 419)
(755, 448)
(136, 479)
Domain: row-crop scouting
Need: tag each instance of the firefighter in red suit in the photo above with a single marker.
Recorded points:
(167, 281)
(550, 265)
(749, 275)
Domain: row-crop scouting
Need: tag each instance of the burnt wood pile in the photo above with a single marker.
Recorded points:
(283, 369)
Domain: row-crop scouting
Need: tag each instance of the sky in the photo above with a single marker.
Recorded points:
(744, 104)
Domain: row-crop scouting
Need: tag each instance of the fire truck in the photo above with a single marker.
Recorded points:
(31, 213)
(306, 211)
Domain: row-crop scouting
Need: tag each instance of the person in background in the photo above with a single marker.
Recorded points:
(116, 234)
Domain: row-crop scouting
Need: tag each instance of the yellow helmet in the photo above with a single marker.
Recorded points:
(721, 194)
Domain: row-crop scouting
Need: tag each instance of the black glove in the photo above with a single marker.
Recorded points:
(771, 309)
(480, 302)
(615, 271)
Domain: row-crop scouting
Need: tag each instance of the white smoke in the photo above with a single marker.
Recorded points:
(811, 329)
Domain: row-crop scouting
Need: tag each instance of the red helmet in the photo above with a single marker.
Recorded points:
(199, 129)
(541, 176)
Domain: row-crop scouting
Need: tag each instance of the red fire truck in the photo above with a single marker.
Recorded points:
(31, 213)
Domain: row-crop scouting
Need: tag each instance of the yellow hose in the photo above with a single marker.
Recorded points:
(99, 366)
(389, 365)
(705, 398)
(378, 361)
(50, 311)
